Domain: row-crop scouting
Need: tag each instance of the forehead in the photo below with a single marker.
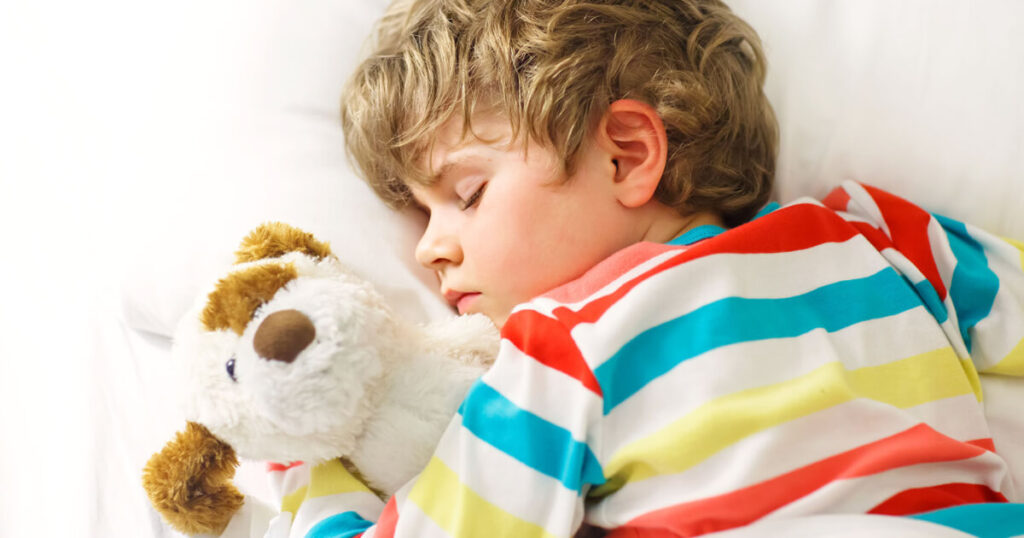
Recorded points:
(456, 143)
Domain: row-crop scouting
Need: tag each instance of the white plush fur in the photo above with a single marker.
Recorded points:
(371, 387)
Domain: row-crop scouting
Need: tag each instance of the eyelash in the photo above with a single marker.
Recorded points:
(473, 198)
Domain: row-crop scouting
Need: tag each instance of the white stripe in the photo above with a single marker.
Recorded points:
(941, 251)
(958, 417)
(860, 199)
(852, 217)
(945, 261)
(684, 288)
(506, 482)
(783, 448)
(288, 481)
(414, 523)
(544, 391)
(547, 305)
(950, 327)
(864, 493)
(730, 369)
(317, 509)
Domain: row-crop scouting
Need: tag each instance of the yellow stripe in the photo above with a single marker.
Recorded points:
(1020, 247)
(292, 501)
(971, 371)
(1014, 242)
(462, 512)
(1012, 363)
(327, 478)
(726, 420)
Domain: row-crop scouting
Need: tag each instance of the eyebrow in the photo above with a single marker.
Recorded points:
(464, 158)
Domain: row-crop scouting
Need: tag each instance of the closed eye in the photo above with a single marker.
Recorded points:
(473, 198)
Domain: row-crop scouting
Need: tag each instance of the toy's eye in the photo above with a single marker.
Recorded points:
(231, 368)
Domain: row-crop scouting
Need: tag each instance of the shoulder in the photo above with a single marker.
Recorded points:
(642, 284)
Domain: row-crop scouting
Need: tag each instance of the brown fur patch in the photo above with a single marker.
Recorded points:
(274, 239)
(238, 295)
(189, 482)
(351, 468)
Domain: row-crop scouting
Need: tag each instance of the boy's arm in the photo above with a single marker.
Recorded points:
(516, 460)
(971, 280)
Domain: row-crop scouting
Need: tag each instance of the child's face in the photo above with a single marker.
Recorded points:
(504, 225)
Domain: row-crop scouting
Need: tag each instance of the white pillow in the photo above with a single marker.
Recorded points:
(251, 134)
(918, 97)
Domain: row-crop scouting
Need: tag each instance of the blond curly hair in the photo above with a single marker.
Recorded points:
(548, 66)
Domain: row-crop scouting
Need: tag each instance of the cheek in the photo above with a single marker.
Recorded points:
(533, 252)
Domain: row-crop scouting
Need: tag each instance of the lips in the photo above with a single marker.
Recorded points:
(466, 302)
(461, 300)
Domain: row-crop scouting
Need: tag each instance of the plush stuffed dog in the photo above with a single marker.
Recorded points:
(292, 357)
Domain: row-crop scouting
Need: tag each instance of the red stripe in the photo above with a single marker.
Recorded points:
(874, 235)
(547, 341)
(789, 229)
(908, 227)
(388, 520)
(920, 444)
(987, 444)
(838, 199)
(278, 467)
(917, 500)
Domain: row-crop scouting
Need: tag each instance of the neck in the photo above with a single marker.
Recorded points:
(667, 224)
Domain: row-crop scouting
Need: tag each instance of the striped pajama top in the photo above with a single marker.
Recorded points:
(822, 358)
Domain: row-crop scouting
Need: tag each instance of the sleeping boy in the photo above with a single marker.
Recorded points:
(678, 358)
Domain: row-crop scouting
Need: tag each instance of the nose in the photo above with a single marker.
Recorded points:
(438, 246)
(282, 335)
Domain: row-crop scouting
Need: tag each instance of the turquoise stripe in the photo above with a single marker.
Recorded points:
(768, 208)
(344, 525)
(974, 286)
(985, 520)
(697, 234)
(931, 300)
(537, 443)
(737, 319)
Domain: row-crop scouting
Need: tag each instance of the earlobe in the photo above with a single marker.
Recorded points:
(634, 136)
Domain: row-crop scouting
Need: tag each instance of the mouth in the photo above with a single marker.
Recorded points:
(463, 301)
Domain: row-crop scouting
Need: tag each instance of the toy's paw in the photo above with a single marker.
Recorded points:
(189, 482)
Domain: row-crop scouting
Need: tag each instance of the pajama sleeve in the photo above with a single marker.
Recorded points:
(971, 281)
(516, 460)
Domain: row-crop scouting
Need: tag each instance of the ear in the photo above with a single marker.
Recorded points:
(632, 135)
(189, 482)
(274, 239)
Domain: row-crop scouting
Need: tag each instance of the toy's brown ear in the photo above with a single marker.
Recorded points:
(274, 239)
(189, 482)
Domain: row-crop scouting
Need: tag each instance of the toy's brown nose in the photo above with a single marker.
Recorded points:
(282, 335)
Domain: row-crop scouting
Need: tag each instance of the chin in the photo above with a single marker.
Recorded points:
(498, 321)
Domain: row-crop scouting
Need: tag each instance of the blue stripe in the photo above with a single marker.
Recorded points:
(931, 300)
(697, 234)
(737, 319)
(537, 443)
(344, 525)
(985, 520)
(974, 285)
(768, 208)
